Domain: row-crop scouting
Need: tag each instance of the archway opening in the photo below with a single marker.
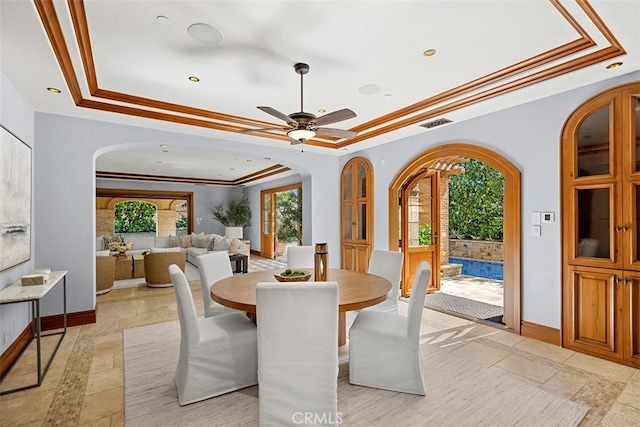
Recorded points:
(512, 214)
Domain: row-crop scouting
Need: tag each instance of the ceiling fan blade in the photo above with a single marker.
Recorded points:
(340, 133)
(263, 130)
(278, 114)
(336, 116)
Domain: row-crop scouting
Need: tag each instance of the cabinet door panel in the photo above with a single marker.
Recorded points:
(631, 297)
(594, 310)
(631, 228)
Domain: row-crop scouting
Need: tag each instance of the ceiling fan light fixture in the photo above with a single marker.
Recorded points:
(299, 134)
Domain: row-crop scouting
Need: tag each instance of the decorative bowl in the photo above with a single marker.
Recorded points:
(299, 278)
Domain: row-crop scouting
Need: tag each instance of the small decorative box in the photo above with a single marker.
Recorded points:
(32, 279)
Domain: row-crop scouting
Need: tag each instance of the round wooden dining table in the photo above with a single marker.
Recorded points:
(356, 290)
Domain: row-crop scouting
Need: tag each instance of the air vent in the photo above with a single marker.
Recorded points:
(434, 123)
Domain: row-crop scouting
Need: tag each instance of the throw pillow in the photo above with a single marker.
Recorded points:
(240, 244)
(195, 237)
(185, 241)
(212, 244)
(108, 240)
(222, 245)
(233, 246)
(100, 243)
(174, 242)
(103, 253)
(203, 241)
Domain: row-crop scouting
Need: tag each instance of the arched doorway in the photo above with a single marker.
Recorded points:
(512, 214)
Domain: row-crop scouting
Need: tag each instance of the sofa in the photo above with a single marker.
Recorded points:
(192, 245)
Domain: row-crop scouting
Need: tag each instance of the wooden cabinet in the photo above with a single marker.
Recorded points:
(600, 226)
(356, 214)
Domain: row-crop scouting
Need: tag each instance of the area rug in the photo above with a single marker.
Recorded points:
(459, 393)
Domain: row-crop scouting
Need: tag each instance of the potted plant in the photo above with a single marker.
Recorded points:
(234, 217)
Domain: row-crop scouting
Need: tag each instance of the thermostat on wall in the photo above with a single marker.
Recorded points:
(548, 217)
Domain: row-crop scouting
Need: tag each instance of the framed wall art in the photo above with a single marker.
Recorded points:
(15, 200)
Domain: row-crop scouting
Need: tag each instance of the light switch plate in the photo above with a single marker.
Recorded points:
(548, 217)
(536, 231)
(535, 218)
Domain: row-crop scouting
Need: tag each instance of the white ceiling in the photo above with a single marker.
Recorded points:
(143, 63)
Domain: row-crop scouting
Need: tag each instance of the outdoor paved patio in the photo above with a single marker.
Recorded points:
(474, 288)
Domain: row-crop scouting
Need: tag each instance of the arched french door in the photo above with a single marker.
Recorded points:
(512, 214)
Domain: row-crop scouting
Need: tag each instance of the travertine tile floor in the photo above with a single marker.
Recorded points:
(85, 384)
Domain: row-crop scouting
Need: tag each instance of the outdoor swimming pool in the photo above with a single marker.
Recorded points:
(479, 268)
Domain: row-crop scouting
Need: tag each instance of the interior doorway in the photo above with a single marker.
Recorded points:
(419, 168)
(281, 220)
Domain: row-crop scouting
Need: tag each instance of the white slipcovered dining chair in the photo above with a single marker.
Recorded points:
(297, 352)
(213, 267)
(384, 348)
(217, 354)
(387, 264)
(301, 256)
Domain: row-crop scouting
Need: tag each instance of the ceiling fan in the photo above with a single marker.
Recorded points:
(302, 125)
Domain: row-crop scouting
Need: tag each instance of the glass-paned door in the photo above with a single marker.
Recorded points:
(356, 214)
(420, 204)
(268, 237)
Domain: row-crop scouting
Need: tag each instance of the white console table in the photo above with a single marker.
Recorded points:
(16, 293)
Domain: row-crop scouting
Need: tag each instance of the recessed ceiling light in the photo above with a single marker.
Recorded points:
(322, 110)
(194, 79)
(614, 65)
(165, 151)
(249, 160)
(153, 170)
(158, 161)
(267, 158)
(429, 52)
(54, 90)
(205, 33)
(163, 19)
(164, 145)
(231, 169)
(345, 149)
(369, 89)
(387, 95)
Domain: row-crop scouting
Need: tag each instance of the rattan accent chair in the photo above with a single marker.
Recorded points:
(156, 268)
(105, 273)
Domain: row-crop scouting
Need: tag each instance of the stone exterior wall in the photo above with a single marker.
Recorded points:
(476, 249)
(444, 218)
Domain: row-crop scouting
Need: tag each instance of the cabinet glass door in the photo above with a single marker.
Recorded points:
(594, 222)
(593, 139)
(635, 132)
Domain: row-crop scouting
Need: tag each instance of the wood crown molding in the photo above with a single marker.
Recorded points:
(264, 173)
(481, 89)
